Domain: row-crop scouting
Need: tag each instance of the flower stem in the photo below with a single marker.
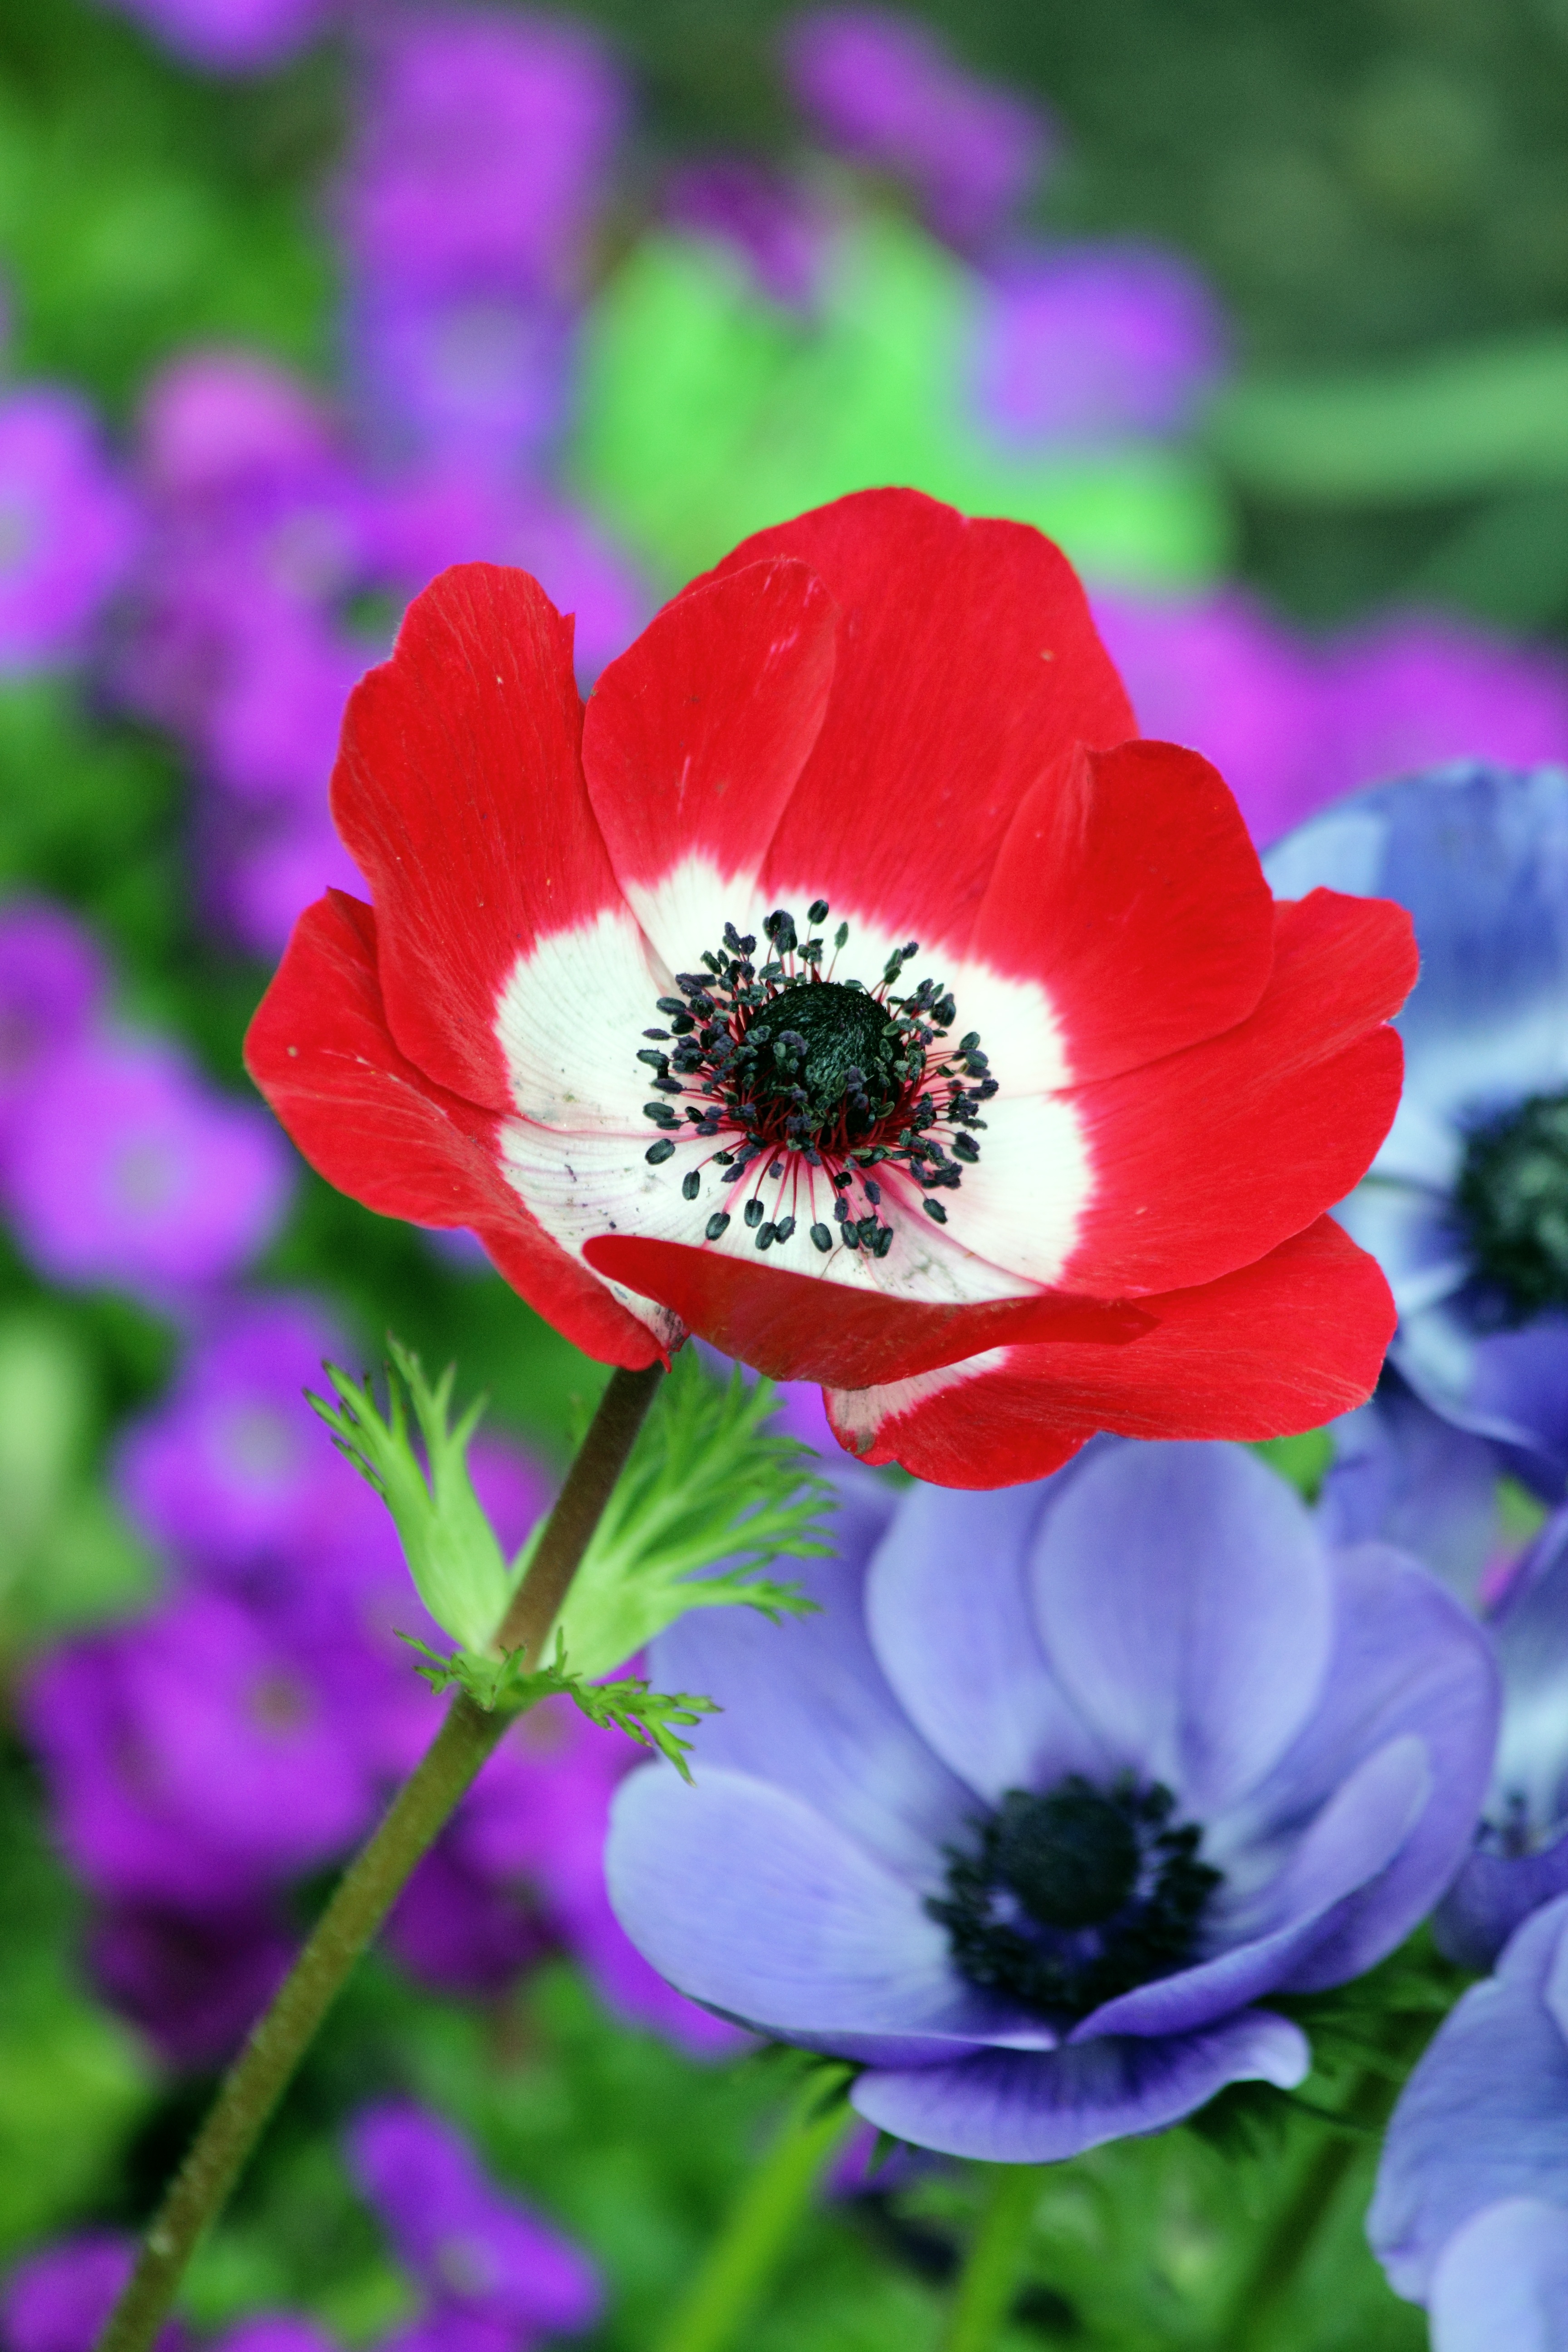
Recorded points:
(1271, 2278)
(742, 2258)
(990, 2273)
(373, 1882)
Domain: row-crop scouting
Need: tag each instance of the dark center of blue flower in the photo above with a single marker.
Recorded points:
(824, 1085)
(1064, 1900)
(1512, 1201)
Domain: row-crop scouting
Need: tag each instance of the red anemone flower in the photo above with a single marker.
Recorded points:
(848, 984)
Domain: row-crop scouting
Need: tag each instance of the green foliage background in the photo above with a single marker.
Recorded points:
(1379, 189)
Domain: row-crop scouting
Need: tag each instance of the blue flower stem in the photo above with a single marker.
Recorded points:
(743, 2257)
(468, 1736)
(989, 2279)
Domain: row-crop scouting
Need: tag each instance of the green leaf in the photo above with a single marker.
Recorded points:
(653, 1718)
(1449, 426)
(457, 1564)
(706, 1503)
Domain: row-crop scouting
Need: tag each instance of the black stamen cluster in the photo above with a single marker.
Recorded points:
(1065, 1900)
(1512, 1202)
(792, 1068)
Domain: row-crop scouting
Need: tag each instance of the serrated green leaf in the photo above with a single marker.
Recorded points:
(457, 1564)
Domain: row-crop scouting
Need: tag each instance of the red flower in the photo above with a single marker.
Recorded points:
(847, 983)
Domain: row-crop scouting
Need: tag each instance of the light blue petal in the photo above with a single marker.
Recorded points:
(1185, 1604)
(749, 1900)
(1004, 2108)
(1483, 2117)
(951, 1621)
(1502, 2280)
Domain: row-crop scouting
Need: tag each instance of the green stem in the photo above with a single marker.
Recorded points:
(990, 2274)
(261, 2073)
(1273, 2276)
(742, 2260)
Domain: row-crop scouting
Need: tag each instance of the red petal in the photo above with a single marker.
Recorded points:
(1131, 890)
(459, 791)
(1280, 1345)
(376, 1127)
(968, 668)
(801, 1327)
(693, 739)
(1213, 1156)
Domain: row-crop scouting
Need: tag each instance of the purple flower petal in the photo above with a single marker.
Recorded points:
(230, 36)
(1407, 1661)
(52, 986)
(131, 1171)
(884, 92)
(1403, 1476)
(471, 2247)
(952, 1619)
(1491, 1895)
(68, 529)
(1503, 2280)
(193, 1981)
(1008, 2108)
(810, 1711)
(1185, 1603)
(1090, 344)
(1485, 2114)
(747, 1898)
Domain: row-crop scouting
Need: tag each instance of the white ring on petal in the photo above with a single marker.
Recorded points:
(570, 1021)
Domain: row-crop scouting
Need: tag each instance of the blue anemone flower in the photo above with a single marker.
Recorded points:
(1466, 1206)
(1060, 1785)
(1470, 2216)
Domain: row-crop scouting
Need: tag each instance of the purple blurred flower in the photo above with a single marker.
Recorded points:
(1088, 344)
(520, 1868)
(276, 2331)
(1416, 689)
(1403, 1476)
(768, 220)
(479, 371)
(484, 146)
(262, 869)
(220, 421)
(1220, 674)
(1466, 1206)
(194, 1982)
(67, 526)
(130, 1170)
(233, 1473)
(57, 2300)
(456, 1929)
(1520, 1858)
(474, 2250)
(1470, 2215)
(202, 1755)
(52, 986)
(231, 36)
(1062, 1782)
(459, 514)
(884, 92)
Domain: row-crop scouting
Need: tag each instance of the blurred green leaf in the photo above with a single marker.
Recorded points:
(708, 413)
(1452, 425)
(72, 2081)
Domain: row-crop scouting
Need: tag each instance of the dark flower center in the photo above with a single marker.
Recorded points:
(836, 1042)
(1512, 1201)
(822, 1084)
(1064, 1900)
